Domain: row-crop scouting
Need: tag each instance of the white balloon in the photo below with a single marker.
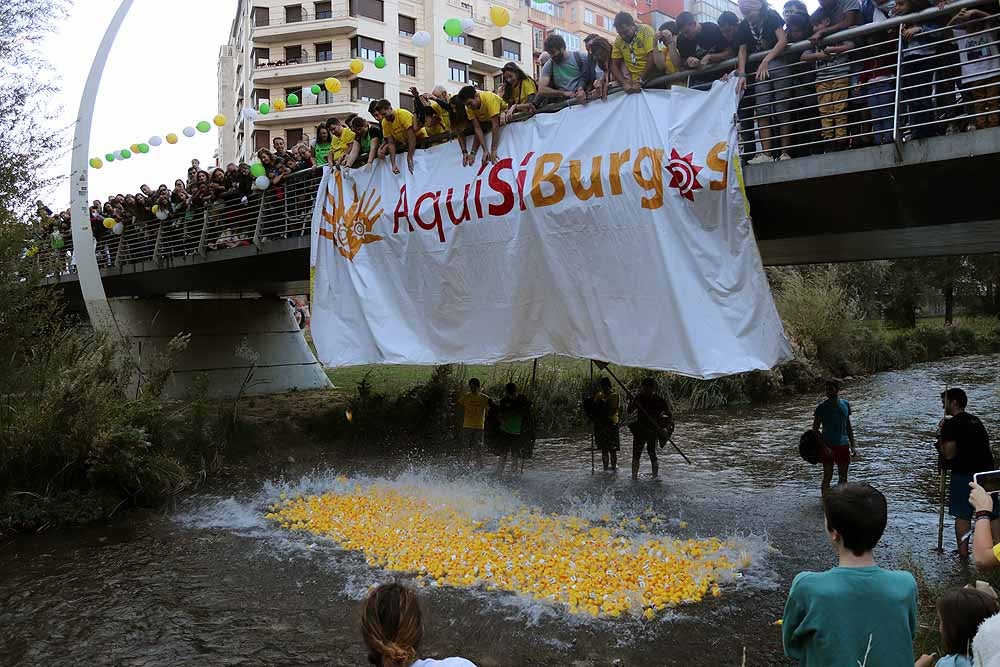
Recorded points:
(189, 132)
(118, 228)
(118, 155)
(155, 141)
(468, 25)
(421, 39)
(249, 114)
(161, 215)
(262, 183)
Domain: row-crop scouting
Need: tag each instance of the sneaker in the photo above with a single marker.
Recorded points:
(971, 127)
(760, 158)
(784, 156)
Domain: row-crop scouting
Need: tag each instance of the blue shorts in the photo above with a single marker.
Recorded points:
(958, 497)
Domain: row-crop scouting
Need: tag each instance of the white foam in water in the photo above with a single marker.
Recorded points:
(482, 498)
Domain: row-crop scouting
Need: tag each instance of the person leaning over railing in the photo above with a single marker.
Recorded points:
(518, 91)
(632, 59)
(367, 140)
(917, 86)
(980, 73)
(668, 58)
(481, 106)
(399, 129)
(762, 30)
(599, 70)
(566, 75)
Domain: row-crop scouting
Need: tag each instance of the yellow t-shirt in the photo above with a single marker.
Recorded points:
(490, 105)
(475, 410)
(668, 64)
(524, 93)
(996, 551)
(444, 123)
(340, 145)
(396, 129)
(636, 53)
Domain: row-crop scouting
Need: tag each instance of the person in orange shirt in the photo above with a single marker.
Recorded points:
(398, 128)
(481, 107)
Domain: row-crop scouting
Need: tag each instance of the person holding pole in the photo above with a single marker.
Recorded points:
(965, 445)
(837, 434)
(652, 410)
(607, 415)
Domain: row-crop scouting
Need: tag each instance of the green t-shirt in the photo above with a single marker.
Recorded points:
(835, 618)
(320, 151)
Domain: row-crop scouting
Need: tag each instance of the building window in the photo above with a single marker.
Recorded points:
(325, 97)
(457, 40)
(477, 80)
(366, 48)
(573, 42)
(324, 51)
(324, 10)
(261, 56)
(537, 39)
(261, 16)
(293, 14)
(260, 95)
(508, 49)
(497, 82)
(294, 91)
(363, 90)
(458, 71)
(476, 43)
(372, 9)
(589, 18)
(261, 139)
(293, 137)
(407, 65)
(467, 8)
(293, 55)
(406, 102)
(407, 26)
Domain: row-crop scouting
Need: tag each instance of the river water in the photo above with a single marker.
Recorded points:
(210, 582)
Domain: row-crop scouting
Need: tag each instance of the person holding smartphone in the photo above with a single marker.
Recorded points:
(965, 446)
(985, 553)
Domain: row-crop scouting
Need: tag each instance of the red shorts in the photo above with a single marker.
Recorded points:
(839, 455)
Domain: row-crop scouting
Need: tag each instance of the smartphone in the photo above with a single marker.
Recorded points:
(988, 480)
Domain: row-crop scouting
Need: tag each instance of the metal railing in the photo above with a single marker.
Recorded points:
(281, 19)
(282, 211)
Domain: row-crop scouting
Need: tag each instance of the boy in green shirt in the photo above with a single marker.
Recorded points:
(856, 613)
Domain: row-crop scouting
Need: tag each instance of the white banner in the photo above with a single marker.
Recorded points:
(617, 231)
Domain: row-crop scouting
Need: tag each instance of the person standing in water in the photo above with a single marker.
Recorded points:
(606, 415)
(651, 409)
(514, 422)
(832, 422)
(474, 405)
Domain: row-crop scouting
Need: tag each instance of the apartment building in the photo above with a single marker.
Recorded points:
(573, 20)
(656, 12)
(279, 47)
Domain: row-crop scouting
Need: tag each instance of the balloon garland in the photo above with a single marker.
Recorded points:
(144, 147)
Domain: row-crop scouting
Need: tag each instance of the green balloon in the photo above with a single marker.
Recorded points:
(126, 153)
(257, 169)
(380, 61)
(293, 99)
(264, 108)
(143, 148)
(453, 27)
(316, 89)
(58, 242)
(204, 126)
(110, 157)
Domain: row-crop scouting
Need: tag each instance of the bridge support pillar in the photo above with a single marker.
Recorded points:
(248, 345)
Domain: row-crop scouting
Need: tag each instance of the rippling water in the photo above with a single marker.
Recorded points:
(211, 583)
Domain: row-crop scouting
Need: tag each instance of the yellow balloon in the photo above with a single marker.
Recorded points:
(499, 16)
(356, 66)
(134, 148)
(279, 105)
(332, 85)
(219, 120)
(109, 223)
(155, 209)
(171, 138)
(96, 163)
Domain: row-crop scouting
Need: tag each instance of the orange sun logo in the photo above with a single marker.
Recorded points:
(683, 174)
(351, 228)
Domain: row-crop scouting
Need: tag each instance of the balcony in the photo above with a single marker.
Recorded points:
(310, 112)
(278, 30)
(304, 68)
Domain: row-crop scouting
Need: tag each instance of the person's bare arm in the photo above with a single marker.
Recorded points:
(850, 435)
(621, 74)
(495, 141)
(351, 155)
(460, 138)
(715, 58)
(741, 69)
(545, 89)
(779, 46)
(982, 540)
(849, 19)
(842, 47)
(391, 144)
(480, 140)
(373, 150)
(411, 148)
(651, 66)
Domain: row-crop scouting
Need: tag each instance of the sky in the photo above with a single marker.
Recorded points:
(159, 78)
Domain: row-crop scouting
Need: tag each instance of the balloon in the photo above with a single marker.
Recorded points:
(499, 16)
(333, 85)
(126, 153)
(421, 39)
(155, 209)
(540, 2)
(96, 163)
(143, 148)
(264, 108)
(134, 148)
(189, 132)
(58, 242)
(468, 25)
(110, 157)
(118, 228)
(249, 114)
(171, 138)
(204, 126)
(119, 156)
(356, 66)
(257, 169)
(109, 223)
(262, 182)
(279, 105)
(220, 120)
(380, 61)
(453, 27)
(161, 215)
(293, 99)
(155, 141)
(316, 89)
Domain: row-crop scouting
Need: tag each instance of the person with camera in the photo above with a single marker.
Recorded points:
(832, 422)
(985, 553)
(965, 447)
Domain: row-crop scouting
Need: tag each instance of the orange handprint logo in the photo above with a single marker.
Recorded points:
(351, 227)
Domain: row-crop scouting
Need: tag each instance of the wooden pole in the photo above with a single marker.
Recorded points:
(593, 465)
(603, 365)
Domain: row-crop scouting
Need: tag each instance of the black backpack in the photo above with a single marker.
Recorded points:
(809, 447)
